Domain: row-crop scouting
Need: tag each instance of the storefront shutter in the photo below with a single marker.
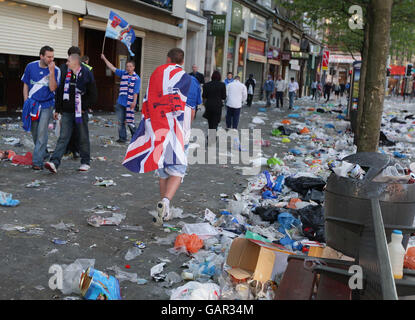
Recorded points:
(25, 29)
(156, 47)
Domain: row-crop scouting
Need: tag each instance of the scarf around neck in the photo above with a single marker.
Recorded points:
(127, 85)
(78, 93)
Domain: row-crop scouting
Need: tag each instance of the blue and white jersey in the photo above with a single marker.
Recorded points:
(37, 79)
(194, 97)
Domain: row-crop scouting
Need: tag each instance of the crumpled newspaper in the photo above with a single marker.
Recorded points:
(97, 221)
(104, 182)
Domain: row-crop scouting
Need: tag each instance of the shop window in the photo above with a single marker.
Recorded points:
(193, 5)
(219, 53)
(231, 53)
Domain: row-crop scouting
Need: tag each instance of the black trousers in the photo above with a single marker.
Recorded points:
(313, 92)
(249, 99)
(279, 98)
(327, 94)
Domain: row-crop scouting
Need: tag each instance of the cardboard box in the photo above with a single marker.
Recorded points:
(328, 253)
(257, 259)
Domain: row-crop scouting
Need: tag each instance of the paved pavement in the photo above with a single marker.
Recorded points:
(66, 195)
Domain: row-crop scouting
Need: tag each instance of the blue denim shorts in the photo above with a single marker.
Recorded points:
(177, 170)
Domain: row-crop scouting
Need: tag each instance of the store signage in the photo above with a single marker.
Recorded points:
(295, 67)
(326, 57)
(259, 24)
(256, 46)
(273, 53)
(236, 21)
(285, 56)
(272, 61)
(257, 58)
(219, 25)
(294, 45)
(299, 55)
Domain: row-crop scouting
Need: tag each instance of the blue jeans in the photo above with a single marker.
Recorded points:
(268, 97)
(40, 136)
(176, 170)
(67, 126)
(232, 117)
(121, 112)
(292, 96)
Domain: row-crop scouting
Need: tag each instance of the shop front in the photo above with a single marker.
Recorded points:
(274, 62)
(24, 30)
(241, 58)
(255, 63)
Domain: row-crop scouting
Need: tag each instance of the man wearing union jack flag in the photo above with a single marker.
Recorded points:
(161, 140)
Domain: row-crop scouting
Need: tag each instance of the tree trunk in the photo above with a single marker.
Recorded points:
(362, 80)
(379, 35)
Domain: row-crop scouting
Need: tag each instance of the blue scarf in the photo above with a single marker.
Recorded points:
(78, 99)
(127, 85)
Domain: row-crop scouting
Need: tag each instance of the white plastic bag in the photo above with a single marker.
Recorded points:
(392, 174)
(132, 253)
(72, 275)
(343, 169)
(202, 230)
(196, 291)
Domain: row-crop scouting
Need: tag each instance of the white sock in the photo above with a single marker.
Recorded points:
(167, 201)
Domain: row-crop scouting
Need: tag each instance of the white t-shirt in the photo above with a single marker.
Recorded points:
(280, 85)
(236, 94)
(293, 86)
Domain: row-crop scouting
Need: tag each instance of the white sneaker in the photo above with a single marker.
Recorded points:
(163, 212)
(51, 167)
(84, 167)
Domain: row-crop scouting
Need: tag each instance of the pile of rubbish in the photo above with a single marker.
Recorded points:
(240, 252)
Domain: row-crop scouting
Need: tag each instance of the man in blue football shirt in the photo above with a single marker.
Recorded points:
(41, 79)
(127, 98)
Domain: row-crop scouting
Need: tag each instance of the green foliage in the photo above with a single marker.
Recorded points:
(333, 15)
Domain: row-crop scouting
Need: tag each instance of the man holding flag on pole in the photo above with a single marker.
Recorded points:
(118, 28)
(161, 140)
(127, 99)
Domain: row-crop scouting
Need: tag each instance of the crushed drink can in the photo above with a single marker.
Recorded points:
(97, 285)
(333, 164)
(357, 172)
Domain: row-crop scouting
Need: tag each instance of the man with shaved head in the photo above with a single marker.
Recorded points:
(76, 93)
(200, 77)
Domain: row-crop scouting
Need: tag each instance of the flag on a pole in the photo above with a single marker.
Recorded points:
(119, 29)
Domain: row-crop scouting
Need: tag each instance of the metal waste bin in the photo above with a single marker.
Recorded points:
(348, 204)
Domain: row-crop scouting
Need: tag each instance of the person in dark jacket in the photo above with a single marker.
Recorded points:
(250, 86)
(200, 77)
(269, 87)
(328, 87)
(73, 145)
(76, 93)
(214, 92)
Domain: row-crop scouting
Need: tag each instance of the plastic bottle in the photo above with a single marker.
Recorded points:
(396, 253)
(279, 183)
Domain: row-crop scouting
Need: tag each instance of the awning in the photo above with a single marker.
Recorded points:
(337, 58)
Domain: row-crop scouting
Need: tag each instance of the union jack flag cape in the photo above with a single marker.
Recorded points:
(165, 123)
